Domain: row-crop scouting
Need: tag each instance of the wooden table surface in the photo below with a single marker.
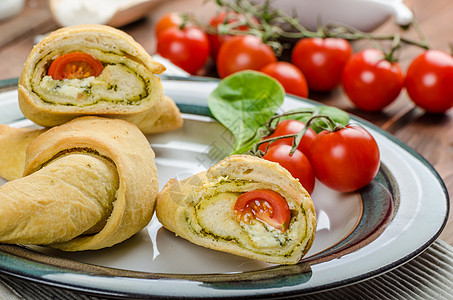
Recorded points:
(430, 135)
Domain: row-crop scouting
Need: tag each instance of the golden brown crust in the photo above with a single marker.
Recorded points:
(89, 38)
(163, 116)
(13, 143)
(117, 141)
(180, 208)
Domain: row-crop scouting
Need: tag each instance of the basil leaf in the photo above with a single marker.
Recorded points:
(243, 103)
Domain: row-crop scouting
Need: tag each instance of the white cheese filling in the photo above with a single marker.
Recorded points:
(263, 235)
(116, 83)
(216, 215)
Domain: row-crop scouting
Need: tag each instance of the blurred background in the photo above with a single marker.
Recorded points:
(30, 18)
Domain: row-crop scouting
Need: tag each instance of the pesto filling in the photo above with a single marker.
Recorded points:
(214, 217)
(81, 150)
(122, 81)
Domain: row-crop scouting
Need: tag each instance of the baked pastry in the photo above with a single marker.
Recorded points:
(90, 70)
(163, 116)
(88, 184)
(13, 144)
(213, 209)
(14, 141)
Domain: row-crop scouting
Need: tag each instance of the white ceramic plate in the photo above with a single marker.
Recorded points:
(359, 235)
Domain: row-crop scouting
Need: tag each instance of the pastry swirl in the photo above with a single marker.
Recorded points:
(13, 145)
(126, 87)
(201, 210)
(88, 184)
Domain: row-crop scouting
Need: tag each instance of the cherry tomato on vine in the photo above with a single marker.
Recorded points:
(287, 127)
(321, 60)
(265, 205)
(242, 53)
(297, 164)
(75, 65)
(172, 19)
(429, 81)
(225, 17)
(187, 48)
(291, 78)
(370, 81)
(345, 160)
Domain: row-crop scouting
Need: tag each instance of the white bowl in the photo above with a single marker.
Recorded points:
(364, 15)
(9, 8)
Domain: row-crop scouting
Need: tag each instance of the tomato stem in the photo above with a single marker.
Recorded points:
(276, 27)
(185, 20)
(257, 152)
(329, 124)
(271, 127)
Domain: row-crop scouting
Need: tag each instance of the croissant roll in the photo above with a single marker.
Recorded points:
(13, 143)
(88, 184)
(90, 70)
(220, 209)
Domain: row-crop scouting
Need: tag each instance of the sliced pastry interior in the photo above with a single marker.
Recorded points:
(89, 70)
(243, 205)
(88, 184)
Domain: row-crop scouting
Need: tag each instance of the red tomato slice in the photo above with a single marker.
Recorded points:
(264, 205)
(75, 65)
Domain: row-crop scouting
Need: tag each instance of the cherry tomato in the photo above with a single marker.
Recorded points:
(345, 160)
(264, 205)
(291, 78)
(75, 65)
(172, 19)
(187, 48)
(242, 53)
(225, 17)
(321, 60)
(370, 81)
(429, 81)
(297, 164)
(287, 127)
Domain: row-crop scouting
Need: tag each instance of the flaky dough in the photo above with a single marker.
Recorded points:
(88, 184)
(200, 209)
(111, 46)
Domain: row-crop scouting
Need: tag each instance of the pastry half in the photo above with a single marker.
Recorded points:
(88, 184)
(204, 210)
(61, 81)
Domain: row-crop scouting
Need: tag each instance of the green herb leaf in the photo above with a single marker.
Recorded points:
(243, 103)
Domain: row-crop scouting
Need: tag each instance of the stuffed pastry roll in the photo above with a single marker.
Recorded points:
(90, 70)
(14, 141)
(88, 184)
(13, 144)
(244, 205)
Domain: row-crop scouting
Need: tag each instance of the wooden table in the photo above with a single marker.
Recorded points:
(430, 135)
